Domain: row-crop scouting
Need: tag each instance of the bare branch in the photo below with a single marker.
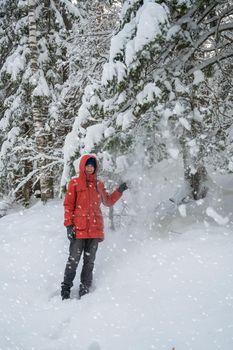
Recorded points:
(204, 37)
(211, 61)
(207, 11)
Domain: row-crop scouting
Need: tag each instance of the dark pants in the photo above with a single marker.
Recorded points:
(78, 246)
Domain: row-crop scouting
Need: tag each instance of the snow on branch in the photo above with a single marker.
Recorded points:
(207, 11)
(58, 14)
(72, 9)
(205, 36)
(16, 62)
(32, 173)
(211, 61)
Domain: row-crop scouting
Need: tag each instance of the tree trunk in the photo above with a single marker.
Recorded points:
(39, 105)
(24, 194)
(111, 218)
(194, 170)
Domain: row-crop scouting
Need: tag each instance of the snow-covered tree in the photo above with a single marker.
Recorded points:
(88, 51)
(157, 86)
(15, 121)
(32, 73)
(111, 109)
(200, 46)
(164, 89)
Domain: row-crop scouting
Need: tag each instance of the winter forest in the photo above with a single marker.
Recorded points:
(132, 80)
(146, 86)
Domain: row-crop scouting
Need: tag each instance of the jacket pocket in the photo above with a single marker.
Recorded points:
(98, 223)
(80, 222)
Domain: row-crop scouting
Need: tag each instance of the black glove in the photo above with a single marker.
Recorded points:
(122, 187)
(70, 232)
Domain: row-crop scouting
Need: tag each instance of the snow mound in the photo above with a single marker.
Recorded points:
(155, 287)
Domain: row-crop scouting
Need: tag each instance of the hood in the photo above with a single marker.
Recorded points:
(83, 161)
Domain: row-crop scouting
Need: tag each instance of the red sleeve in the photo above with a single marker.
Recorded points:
(108, 199)
(69, 203)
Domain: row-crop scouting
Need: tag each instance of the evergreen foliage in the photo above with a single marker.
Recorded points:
(163, 86)
(155, 81)
(19, 172)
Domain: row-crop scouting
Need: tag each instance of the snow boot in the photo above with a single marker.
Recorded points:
(83, 290)
(65, 291)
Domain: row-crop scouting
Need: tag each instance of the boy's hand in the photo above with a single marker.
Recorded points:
(122, 187)
(70, 232)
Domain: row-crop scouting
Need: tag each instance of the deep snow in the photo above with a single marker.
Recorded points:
(160, 286)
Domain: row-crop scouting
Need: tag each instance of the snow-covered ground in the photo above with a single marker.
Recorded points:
(157, 285)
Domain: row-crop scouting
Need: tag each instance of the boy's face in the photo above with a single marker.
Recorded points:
(89, 169)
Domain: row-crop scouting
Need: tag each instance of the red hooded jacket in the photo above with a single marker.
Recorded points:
(82, 203)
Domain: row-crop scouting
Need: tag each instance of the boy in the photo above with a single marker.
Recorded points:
(84, 222)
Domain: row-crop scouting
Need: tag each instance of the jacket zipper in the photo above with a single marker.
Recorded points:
(88, 218)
